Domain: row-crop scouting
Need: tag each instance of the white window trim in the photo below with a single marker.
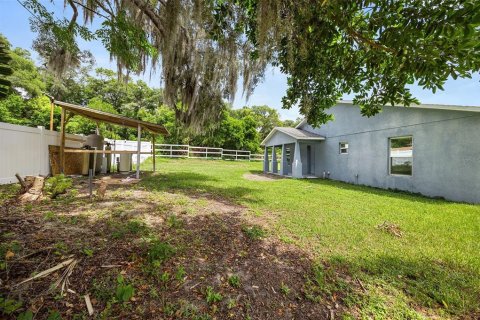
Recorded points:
(390, 157)
(340, 147)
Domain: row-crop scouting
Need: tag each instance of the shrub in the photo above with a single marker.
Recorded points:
(57, 185)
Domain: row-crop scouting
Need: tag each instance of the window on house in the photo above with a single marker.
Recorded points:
(343, 147)
(401, 155)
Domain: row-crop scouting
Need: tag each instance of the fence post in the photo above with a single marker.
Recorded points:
(171, 151)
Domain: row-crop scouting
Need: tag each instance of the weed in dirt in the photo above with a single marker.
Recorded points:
(234, 281)
(169, 309)
(232, 303)
(49, 216)
(124, 292)
(285, 289)
(103, 288)
(254, 232)
(28, 207)
(61, 248)
(132, 227)
(159, 251)
(56, 185)
(54, 315)
(164, 279)
(180, 274)
(27, 315)
(9, 306)
(212, 296)
(174, 222)
(88, 252)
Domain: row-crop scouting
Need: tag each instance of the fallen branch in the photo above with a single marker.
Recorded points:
(22, 183)
(48, 271)
(89, 304)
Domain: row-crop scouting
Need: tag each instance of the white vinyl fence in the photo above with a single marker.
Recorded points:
(24, 150)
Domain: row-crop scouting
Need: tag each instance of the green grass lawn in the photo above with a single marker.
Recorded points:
(432, 269)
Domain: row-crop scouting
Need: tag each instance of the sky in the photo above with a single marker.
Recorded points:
(15, 26)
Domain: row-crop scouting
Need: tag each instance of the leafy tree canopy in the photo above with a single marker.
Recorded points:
(373, 49)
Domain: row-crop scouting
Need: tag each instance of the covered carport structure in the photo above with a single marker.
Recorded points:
(297, 156)
(69, 109)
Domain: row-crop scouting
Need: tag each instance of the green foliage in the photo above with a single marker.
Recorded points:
(211, 296)
(284, 289)
(9, 306)
(57, 185)
(180, 274)
(174, 222)
(254, 232)
(124, 292)
(234, 281)
(27, 315)
(54, 315)
(159, 252)
(5, 67)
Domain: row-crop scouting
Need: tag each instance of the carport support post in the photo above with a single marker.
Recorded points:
(297, 162)
(284, 165)
(274, 160)
(139, 146)
(265, 160)
(153, 151)
(62, 141)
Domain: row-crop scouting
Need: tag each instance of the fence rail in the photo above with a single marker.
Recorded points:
(187, 151)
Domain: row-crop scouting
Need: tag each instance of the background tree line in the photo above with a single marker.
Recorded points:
(25, 103)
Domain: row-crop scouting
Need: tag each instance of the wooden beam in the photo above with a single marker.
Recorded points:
(67, 150)
(139, 146)
(52, 107)
(62, 142)
(153, 151)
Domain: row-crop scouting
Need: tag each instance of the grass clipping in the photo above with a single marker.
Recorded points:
(391, 228)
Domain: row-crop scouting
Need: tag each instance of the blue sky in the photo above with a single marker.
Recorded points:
(15, 26)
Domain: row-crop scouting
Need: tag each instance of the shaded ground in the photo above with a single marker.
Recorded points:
(185, 257)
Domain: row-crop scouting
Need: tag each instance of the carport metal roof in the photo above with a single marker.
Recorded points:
(102, 116)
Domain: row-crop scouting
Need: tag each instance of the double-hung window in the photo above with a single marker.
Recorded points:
(343, 146)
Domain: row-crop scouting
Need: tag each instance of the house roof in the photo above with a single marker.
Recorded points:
(417, 106)
(295, 133)
(103, 116)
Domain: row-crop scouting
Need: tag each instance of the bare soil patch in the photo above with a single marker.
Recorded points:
(116, 237)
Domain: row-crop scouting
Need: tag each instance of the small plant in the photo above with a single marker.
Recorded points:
(212, 296)
(9, 306)
(232, 303)
(88, 252)
(27, 315)
(180, 273)
(254, 232)
(54, 315)
(159, 252)
(234, 281)
(49, 215)
(57, 185)
(124, 292)
(285, 289)
(174, 222)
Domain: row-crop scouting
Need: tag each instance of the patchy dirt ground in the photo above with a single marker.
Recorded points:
(152, 255)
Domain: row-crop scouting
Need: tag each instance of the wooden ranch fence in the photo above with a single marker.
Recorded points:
(187, 151)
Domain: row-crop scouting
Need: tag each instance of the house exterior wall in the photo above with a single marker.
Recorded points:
(446, 150)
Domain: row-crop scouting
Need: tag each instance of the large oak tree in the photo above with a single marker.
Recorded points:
(372, 49)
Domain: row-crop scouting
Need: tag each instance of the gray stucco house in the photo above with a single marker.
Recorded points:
(433, 150)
